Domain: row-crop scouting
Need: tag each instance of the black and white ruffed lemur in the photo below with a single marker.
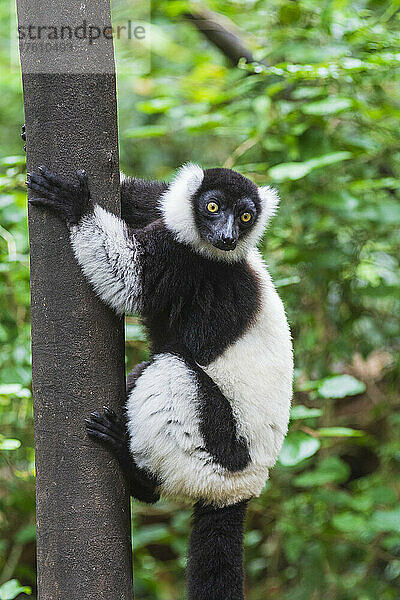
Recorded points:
(207, 414)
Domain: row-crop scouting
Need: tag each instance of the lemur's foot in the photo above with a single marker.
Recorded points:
(109, 429)
(23, 135)
(70, 201)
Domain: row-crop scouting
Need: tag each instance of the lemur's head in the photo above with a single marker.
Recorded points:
(219, 212)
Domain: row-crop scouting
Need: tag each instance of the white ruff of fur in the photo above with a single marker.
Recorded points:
(255, 374)
(110, 258)
(177, 209)
(176, 205)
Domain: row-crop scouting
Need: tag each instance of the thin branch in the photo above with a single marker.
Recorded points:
(240, 150)
(219, 31)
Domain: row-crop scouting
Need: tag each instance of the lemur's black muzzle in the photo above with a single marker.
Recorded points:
(227, 235)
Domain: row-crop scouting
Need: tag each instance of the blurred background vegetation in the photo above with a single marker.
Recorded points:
(317, 116)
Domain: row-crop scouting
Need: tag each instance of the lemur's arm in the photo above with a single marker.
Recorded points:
(105, 247)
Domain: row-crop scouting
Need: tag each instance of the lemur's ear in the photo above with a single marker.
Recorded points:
(269, 199)
(188, 180)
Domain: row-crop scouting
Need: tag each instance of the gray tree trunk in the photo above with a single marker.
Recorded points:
(83, 514)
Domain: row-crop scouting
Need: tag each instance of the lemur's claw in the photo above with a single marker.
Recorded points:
(70, 201)
(45, 203)
(110, 413)
(106, 427)
(82, 175)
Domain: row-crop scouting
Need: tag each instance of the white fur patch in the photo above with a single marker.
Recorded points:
(269, 200)
(110, 259)
(177, 209)
(176, 205)
(255, 374)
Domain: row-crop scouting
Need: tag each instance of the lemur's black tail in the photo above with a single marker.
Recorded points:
(215, 567)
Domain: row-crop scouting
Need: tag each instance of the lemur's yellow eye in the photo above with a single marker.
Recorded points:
(245, 217)
(212, 207)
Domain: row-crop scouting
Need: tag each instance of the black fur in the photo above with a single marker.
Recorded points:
(200, 314)
(135, 374)
(215, 567)
(139, 201)
(71, 201)
(231, 183)
(218, 425)
(111, 431)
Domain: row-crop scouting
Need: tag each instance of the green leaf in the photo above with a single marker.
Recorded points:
(382, 495)
(302, 412)
(26, 534)
(297, 447)
(290, 170)
(156, 105)
(147, 131)
(306, 92)
(308, 386)
(341, 386)
(297, 170)
(252, 538)
(330, 470)
(329, 159)
(12, 161)
(386, 520)
(329, 106)
(9, 444)
(10, 388)
(14, 389)
(156, 533)
(135, 333)
(11, 589)
(339, 432)
(201, 122)
(350, 522)
(287, 281)
(340, 201)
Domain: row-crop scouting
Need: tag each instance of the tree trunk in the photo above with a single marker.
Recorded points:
(83, 514)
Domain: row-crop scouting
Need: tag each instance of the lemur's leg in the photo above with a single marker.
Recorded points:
(111, 431)
(105, 248)
(182, 428)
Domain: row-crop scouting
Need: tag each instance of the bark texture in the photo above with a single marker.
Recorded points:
(83, 514)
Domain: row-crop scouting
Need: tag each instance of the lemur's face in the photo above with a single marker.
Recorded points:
(226, 208)
(220, 213)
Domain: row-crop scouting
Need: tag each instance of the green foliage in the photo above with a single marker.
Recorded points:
(11, 589)
(318, 118)
(297, 447)
(340, 387)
